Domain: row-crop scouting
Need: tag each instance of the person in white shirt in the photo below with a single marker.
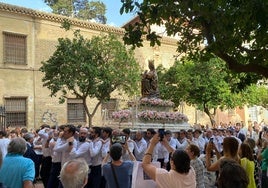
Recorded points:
(182, 140)
(199, 140)
(106, 142)
(82, 150)
(106, 135)
(66, 143)
(4, 141)
(53, 180)
(46, 162)
(140, 146)
(94, 179)
(126, 156)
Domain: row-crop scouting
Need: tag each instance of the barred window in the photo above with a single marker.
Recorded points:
(16, 112)
(14, 48)
(76, 111)
(109, 106)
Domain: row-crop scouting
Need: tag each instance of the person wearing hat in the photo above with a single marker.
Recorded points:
(118, 173)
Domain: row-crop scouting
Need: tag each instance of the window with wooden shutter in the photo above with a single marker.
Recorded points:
(15, 48)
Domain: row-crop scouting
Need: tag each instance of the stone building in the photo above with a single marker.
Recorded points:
(29, 37)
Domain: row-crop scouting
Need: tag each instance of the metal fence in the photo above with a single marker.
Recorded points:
(2, 118)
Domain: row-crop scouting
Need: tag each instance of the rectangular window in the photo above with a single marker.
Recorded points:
(16, 112)
(14, 48)
(109, 107)
(76, 111)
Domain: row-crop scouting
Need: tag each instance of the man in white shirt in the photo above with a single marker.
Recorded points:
(182, 140)
(46, 162)
(94, 179)
(140, 146)
(126, 156)
(4, 141)
(66, 143)
(199, 140)
(106, 135)
(53, 180)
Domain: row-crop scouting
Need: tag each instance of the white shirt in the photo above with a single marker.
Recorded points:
(200, 142)
(95, 152)
(105, 147)
(125, 156)
(163, 152)
(182, 145)
(82, 151)
(38, 142)
(56, 156)
(44, 135)
(62, 146)
(3, 146)
(139, 149)
(173, 143)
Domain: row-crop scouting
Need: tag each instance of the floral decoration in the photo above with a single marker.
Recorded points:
(148, 115)
(156, 102)
(121, 114)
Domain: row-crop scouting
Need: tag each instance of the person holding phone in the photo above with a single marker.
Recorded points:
(181, 175)
(126, 132)
(118, 173)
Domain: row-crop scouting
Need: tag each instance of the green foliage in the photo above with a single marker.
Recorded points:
(257, 95)
(206, 85)
(90, 68)
(81, 9)
(235, 31)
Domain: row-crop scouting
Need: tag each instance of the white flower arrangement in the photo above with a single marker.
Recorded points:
(148, 115)
(122, 114)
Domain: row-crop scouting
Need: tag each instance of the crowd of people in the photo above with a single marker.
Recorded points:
(75, 156)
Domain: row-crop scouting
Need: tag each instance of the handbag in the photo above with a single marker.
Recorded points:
(115, 177)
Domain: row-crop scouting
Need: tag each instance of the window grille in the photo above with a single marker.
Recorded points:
(14, 48)
(76, 111)
(15, 112)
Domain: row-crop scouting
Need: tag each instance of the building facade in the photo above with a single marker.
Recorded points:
(28, 37)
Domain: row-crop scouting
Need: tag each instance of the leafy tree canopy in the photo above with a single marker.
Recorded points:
(206, 85)
(235, 31)
(90, 68)
(81, 9)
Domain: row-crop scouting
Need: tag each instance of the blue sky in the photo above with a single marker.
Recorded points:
(113, 6)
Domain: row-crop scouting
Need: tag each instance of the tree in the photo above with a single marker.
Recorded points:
(257, 95)
(206, 85)
(90, 69)
(81, 9)
(235, 31)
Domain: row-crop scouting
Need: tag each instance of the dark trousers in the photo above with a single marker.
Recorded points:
(53, 180)
(94, 177)
(103, 182)
(37, 166)
(45, 170)
(264, 179)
